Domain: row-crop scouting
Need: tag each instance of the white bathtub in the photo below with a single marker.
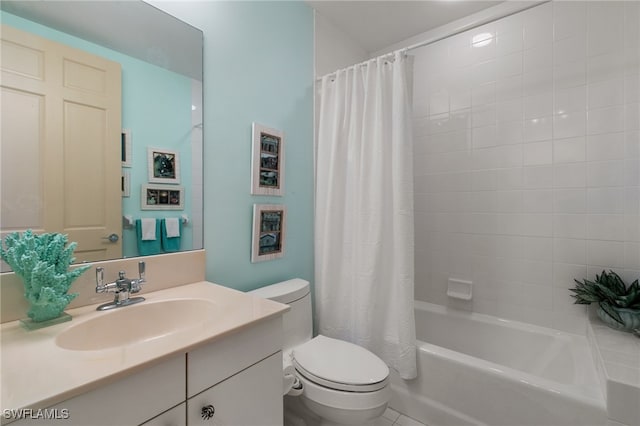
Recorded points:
(476, 369)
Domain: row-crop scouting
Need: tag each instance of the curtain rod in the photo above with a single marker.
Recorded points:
(427, 42)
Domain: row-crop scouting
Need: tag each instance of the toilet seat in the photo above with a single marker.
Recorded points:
(340, 365)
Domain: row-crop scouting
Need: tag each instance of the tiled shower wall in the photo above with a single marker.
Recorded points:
(527, 153)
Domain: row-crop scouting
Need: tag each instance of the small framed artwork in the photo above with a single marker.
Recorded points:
(163, 166)
(126, 148)
(269, 230)
(161, 197)
(126, 183)
(267, 162)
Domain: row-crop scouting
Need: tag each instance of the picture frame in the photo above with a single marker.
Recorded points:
(267, 161)
(126, 184)
(161, 197)
(163, 165)
(269, 232)
(126, 148)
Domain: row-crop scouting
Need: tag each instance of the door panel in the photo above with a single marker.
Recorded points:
(72, 137)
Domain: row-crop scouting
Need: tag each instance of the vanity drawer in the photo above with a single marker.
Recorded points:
(210, 364)
(128, 401)
(252, 397)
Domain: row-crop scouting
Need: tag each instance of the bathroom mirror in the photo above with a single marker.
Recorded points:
(161, 118)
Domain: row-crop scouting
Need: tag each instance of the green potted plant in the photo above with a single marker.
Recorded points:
(618, 304)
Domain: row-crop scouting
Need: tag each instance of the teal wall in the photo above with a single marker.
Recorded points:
(156, 107)
(258, 65)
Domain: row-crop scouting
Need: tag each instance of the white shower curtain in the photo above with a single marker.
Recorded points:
(364, 211)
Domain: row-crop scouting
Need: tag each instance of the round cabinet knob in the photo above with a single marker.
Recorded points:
(113, 238)
(207, 412)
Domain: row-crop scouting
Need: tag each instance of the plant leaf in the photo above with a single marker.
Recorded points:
(608, 309)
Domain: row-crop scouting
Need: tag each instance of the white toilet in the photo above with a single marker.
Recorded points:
(342, 383)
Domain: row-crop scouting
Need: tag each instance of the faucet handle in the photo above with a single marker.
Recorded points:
(141, 271)
(100, 279)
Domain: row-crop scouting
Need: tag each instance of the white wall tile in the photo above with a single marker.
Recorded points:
(605, 25)
(570, 74)
(537, 129)
(508, 65)
(569, 124)
(569, 50)
(572, 251)
(484, 94)
(537, 249)
(605, 253)
(527, 170)
(606, 227)
(509, 110)
(511, 132)
(632, 172)
(537, 177)
(606, 200)
(632, 144)
(572, 175)
(537, 81)
(570, 226)
(569, 19)
(605, 120)
(606, 93)
(606, 173)
(606, 66)
(606, 146)
(569, 99)
(538, 26)
(538, 105)
(571, 150)
(632, 117)
(569, 201)
(565, 273)
(632, 255)
(508, 88)
(537, 201)
(537, 153)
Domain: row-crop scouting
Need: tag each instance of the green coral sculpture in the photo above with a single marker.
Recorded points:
(42, 261)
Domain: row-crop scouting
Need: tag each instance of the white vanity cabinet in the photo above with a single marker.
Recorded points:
(239, 375)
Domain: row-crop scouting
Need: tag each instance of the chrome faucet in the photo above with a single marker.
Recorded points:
(123, 287)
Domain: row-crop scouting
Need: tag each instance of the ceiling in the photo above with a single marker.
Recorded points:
(375, 25)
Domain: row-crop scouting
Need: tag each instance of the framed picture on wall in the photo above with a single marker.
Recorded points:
(126, 183)
(161, 197)
(267, 161)
(269, 231)
(163, 166)
(126, 149)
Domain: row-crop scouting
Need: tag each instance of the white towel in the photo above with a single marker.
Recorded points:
(148, 229)
(172, 227)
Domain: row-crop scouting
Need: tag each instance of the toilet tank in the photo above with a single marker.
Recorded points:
(296, 322)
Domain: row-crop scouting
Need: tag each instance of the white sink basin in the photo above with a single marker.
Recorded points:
(138, 323)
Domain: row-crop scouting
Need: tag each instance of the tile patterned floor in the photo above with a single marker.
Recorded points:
(393, 418)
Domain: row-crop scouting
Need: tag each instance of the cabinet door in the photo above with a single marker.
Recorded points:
(253, 397)
(177, 416)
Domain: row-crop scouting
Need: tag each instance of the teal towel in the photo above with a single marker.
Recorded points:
(170, 244)
(148, 247)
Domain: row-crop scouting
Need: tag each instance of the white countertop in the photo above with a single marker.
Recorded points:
(37, 373)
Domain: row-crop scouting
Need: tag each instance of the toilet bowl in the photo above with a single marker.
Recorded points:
(340, 383)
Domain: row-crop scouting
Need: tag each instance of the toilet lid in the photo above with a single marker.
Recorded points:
(340, 365)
